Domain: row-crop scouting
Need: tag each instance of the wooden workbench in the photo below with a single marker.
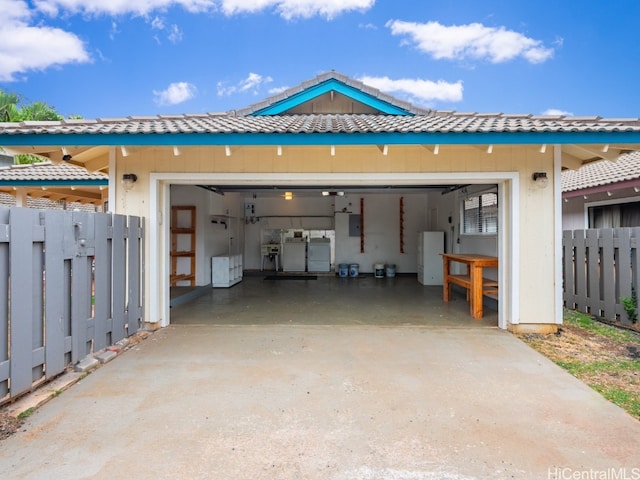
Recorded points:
(473, 280)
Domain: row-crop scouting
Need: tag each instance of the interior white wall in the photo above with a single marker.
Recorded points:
(381, 231)
(231, 233)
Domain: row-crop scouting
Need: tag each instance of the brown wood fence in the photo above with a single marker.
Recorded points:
(600, 268)
(71, 284)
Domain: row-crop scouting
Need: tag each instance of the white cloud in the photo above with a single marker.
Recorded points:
(25, 48)
(556, 111)
(474, 41)
(277, 90)
(175, 93)
(289, 9)
(157, 23)
(253, 82)
(425, 91)
(175, 34)
(120, 7)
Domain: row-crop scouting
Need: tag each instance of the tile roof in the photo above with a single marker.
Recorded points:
(434, 122)
(47, 171)
(604, 172)
(8, 200)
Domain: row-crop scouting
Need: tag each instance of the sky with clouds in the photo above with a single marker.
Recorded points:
(115, 58)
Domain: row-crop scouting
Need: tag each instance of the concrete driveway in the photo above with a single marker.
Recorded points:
(326, 402)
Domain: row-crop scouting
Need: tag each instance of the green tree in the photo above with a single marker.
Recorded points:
(11, 110)
(8, 106)
(39, 111)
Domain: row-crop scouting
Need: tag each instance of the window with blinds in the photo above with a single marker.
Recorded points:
(480, 214)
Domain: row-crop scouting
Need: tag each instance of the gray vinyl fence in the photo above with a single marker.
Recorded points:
(600, 267)
(71, 284)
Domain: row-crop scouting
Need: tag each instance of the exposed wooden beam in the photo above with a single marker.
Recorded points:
(571, 161)
(599, 153)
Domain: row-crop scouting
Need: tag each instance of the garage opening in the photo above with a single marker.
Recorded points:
(326, 254)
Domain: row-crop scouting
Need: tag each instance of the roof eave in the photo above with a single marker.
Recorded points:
(325, 138)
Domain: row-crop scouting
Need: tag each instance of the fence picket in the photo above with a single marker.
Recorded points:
(608, 274)
(4, 306)
(581, 268)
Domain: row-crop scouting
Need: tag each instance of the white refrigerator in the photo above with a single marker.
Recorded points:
(430, 248)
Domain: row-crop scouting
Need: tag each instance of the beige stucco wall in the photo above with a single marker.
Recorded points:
(536, 211)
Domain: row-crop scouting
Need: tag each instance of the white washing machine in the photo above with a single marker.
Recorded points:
(319, 255)
(294, 255)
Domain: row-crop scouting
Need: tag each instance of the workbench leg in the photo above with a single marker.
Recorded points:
(476, 292)
(445, 280)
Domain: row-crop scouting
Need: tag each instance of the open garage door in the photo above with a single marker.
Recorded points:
(368, 224)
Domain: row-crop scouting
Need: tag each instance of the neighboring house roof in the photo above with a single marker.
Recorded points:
(604, 172)
(8, 200)
(50, 174)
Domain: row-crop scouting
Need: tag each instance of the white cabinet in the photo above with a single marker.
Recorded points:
(226, 270)
(430, 246)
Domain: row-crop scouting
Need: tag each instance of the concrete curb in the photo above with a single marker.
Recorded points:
(29, 402)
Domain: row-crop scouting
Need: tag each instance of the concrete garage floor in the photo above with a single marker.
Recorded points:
(330, 300)
(345, 401)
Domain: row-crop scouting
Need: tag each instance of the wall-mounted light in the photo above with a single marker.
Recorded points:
(124, 151)
(176, 151)
(540, 179)
(288, 195)
(128, 179)
(67, 157)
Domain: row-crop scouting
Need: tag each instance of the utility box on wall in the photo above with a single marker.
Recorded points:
(354, 225)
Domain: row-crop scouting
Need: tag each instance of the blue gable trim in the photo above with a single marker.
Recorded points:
(310, 139)
(325, 87)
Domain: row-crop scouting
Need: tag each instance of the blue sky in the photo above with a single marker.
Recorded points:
(111, 58)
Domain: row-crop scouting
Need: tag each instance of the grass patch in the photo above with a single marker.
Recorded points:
(27, 413)
(604, 357)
